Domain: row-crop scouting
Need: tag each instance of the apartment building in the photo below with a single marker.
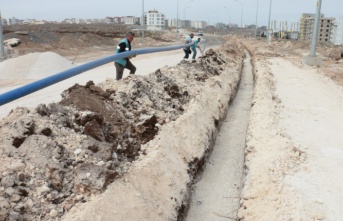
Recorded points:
(307, 27)
(220, 25)
(128, 20)
(172, 22)
(337, 32)
(199, 24)
(155, 20)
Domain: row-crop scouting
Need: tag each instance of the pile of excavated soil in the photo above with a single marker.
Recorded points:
(106, 150)
(34, 66)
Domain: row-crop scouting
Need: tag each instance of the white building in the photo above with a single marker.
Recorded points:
(199, 24)
(337, 32)
(4, 21)
(272, 25)
(129, 20)
(283, 26)
(220, 25)
(155, 20)
(14, 21)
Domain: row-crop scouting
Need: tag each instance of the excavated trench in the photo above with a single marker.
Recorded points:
(216, 192)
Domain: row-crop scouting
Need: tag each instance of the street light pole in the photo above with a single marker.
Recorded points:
(177, 18)
(185, 12)
(142, 22)
(2, 50)
(256, 20)
(270, 9)
(315, 31)
(241, 17)
(229, 15)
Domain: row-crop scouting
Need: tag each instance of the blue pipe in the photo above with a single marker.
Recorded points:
(45, 82)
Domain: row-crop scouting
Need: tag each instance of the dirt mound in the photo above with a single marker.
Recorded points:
(56, 156)
(34, 66)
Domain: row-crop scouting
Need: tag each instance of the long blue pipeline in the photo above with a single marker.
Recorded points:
(53, 79)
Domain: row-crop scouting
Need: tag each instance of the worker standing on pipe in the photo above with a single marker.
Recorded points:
(124, 46)
(187, 50)
(194, 46)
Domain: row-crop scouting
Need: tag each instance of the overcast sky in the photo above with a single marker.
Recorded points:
(205, 10)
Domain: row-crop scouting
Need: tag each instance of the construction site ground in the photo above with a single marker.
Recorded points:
(247, 132)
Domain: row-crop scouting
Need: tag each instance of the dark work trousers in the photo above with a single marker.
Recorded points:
(187, 52)
(194, 53)
(120, 69)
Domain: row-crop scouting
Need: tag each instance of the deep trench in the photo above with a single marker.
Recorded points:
(217, 190)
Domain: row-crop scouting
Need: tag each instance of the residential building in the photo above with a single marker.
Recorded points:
(128, 20)
(171, 22)
(307, 27)
(220, 25)
(283, 26)
(272, 25)
(155, 20)
(198, 24)
(186, 24)
(4, 21)
(337, 32)
(118, 20)
(14, 21)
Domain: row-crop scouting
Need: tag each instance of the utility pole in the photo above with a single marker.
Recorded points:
(312, 59)
(241, 17)
(142, 22)
(268, 29)
(177, 18)
(315, 31)
(256, 20)
(2, 50)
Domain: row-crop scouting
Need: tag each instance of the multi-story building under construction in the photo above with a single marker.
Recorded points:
(307, 27)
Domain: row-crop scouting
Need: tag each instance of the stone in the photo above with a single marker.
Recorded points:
(16, 166)
(53, 213)
(9, 191)
(77, 151)
(7, 181)
(15, 198)
(4, 208)
(29, 203)
(12, 42)
(43, 189)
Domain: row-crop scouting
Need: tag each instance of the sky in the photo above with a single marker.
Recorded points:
(211, 11)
